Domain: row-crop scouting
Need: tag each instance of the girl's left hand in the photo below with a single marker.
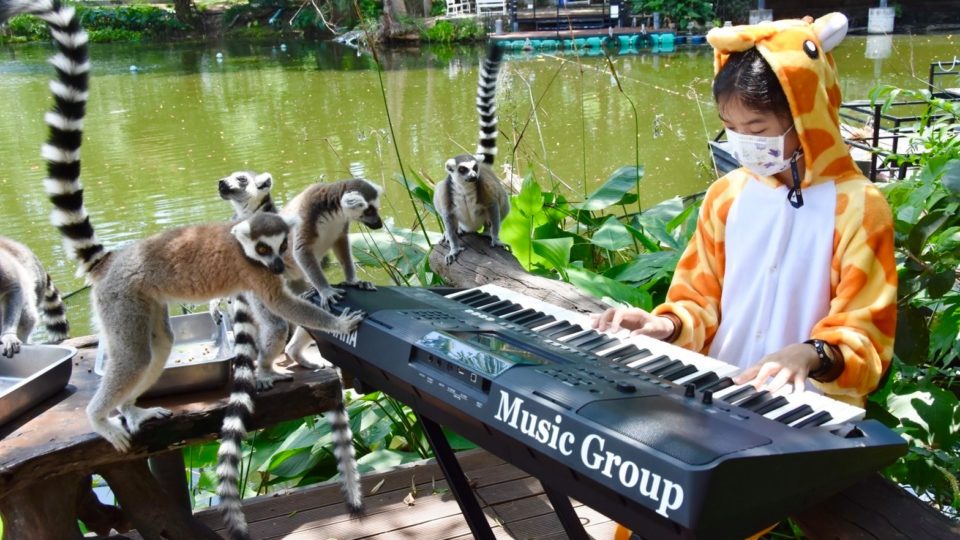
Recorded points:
(790, 364)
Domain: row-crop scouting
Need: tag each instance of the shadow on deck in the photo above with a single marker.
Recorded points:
(513, 502)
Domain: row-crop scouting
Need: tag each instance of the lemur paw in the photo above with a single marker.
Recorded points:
(113, 431)
(360, 284)
(135, 416)
(329, 295)
(307, 364)
(266, 378)
(10, 344)
(215, 312)
(349, 320)
(452, 255)
(495, 242)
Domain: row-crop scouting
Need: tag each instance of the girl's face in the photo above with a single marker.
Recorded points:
(741, 119)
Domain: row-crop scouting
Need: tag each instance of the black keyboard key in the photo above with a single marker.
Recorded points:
(539, 320)
(654, 363)
(489, 308)
(794, 414)
(483, 300)
(704, 379)
(512, 317)
(718, 385)
(679, 372)
(603, 343)
(556, 329)
(771, 405)
(568, 333)
(589, 337)
(506, 310)
(755, 400)
(469, 296)
(635, 357)
(740, 393)
(818, 419)
(621, 351)
(664, 368)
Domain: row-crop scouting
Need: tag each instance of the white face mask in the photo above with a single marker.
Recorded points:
(762, 155)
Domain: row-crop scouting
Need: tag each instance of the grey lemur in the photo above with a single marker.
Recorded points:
(471, 196)
(326, 211)
(249, 193)
(24, 287)
(132, 285)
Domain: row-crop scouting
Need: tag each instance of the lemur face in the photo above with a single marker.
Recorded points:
(363, 204)
(463, 168)
(263, 238)
(245, 188)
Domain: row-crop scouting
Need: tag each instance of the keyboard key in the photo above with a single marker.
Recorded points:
(490, 308)
(755, 400)
(556, 329)
(795, 414)
(682, 371)
(522, 314)
(718, 385)
(653, 363)
(659, 370)
(538, 321)
(818, 419)
(604, 343)
(771, 405)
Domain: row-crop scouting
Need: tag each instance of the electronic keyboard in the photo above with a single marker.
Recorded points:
(652, 435)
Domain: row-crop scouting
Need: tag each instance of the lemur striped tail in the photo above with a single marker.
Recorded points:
(234, 430)
(54, 313)
(346, 459)
(62, 149)
(487, 103)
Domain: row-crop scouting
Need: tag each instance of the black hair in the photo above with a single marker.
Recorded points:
(749, 78)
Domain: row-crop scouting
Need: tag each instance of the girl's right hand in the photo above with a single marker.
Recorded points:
(636, 320)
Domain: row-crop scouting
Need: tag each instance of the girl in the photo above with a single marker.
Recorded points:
(790, 273)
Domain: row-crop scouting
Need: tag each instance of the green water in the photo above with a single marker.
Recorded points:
(157, 139)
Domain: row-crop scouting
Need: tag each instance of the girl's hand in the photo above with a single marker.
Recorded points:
(790, 364)
(636, 320)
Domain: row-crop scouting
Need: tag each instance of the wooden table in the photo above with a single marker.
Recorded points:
(48, 455)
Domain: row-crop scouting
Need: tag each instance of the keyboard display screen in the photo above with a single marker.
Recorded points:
(482, 352)
(493, 343)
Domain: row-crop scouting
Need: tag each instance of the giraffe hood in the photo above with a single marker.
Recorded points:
(798, 51)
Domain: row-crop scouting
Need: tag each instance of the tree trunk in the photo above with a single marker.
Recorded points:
(185, 12)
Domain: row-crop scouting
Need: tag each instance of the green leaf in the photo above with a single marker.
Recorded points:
(385, 459)
(941, 283)
(613, 190)
(612, 235)
(457, 441)
(556, 251)
(951, 176)
(912, 339)
(601, 286)
(930, 415)
(925, 227)
(530, 199)
(645, 267)
(292, 463)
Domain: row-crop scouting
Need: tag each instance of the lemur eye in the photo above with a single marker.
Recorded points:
(242, 180)
(463, 169)
(370, 211)
(262, 249)
(283, 247)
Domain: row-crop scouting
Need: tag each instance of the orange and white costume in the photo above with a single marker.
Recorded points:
(759, 274)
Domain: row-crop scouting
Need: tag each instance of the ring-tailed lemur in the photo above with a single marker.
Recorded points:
(325, 212)
(132, 285)
(24, 287)
(471, 196)
(249, 193)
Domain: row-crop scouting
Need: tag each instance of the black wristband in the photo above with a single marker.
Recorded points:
(826, 363)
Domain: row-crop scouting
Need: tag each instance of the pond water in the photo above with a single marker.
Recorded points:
(158, 138)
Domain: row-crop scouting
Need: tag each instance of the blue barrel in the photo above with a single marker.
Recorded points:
(679, 41)
(580, 42)
(667, 40)
(549, 44)
(594, 42)
(698, 40)
(655, 40)
(568, 44)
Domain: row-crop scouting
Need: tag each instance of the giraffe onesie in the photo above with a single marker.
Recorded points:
(759, 274)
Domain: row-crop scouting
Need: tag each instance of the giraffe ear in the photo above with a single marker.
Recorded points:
(830, 29)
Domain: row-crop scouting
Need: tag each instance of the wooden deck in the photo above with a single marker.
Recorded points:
(513, 502)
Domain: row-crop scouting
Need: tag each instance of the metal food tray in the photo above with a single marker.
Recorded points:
(31, 376)
(201, 356)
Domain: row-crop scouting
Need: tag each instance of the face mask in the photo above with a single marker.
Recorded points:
(762, 155)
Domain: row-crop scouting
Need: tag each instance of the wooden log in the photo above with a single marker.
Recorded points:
(480, 264)
(873, 509)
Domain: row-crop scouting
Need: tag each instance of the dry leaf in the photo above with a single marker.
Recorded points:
(413, 486)
(377, 487)
(409, 500)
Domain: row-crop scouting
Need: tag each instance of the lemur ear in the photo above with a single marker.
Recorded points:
(292, 221)
(374, 186)
(264, 180)
(353, 200)
(241, 230)
(451, 165)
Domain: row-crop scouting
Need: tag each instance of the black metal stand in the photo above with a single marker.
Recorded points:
(456, 480)
(564, 510)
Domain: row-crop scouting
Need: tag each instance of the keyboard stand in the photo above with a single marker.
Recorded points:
(468, 501)
(456, 479)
